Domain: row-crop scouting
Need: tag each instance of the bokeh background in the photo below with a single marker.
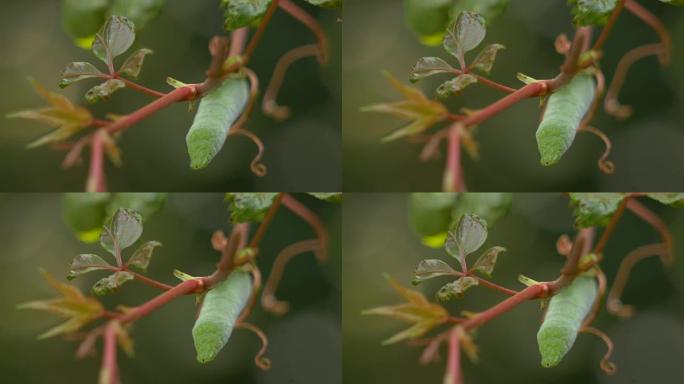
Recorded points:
(302, 154)
(377, 238)
(305, 344)
(647, 147)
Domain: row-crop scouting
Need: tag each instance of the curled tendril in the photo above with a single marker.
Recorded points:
(606, 166)
(257, 167)
(260, 360)
(607, 366)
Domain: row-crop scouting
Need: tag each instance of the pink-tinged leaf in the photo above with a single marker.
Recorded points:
(134, 62)
(485, 59)
(141, 257)
(487, 261)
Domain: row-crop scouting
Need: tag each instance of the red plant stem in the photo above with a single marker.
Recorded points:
(454, 375)
(610, 228)
(259, 234)
(647, 17)
(254, 41)
(490, 83)
(96, 177)
(184, 288)
(180, 94)
(529, 90)
(651, 218)
(137, 87)
(453, 177)
(531, 292)
(487, 283)
(109, 372)
(609, 25)
(311, 23)
(237, 41)
(307, 215)
(151, 282)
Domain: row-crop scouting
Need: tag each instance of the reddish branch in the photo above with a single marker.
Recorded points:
(109, 373)
(96, 176)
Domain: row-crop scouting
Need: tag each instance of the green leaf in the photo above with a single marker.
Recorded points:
(430, 216)
(465, 34)
(249, 207)
(243, 13)
(331, 197)
(125, 228)
(85, 263)
(113, 39)
(428, 66)
(489, 206)
(456, 289)
(428, 19)
(134, 62)
(467, 237)
(527, 281)
(326, 3)
(679, 3)
(592, 12)
(485, 264)
(112, 283)
(61, 114)
(78, 71)
(421, 112)
(85, 214)
(489, 9)
(431, 268)
(486, 58)
(83, 18)
(141, 257)
(672, 199)
(146, 204)
(594, 209)
(456, 85)
(104, 91)
(140, 12)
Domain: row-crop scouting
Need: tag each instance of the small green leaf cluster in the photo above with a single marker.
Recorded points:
(463, 239)
(462, 36)
(123, 231)
(248, 13)
(592, 12)
(596, 209)
(432, 214)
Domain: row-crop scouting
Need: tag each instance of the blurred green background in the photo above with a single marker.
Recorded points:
(647, 148)
(649, 348)
(154, 154)
(305, 344)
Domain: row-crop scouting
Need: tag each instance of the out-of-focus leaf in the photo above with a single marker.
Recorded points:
(140, 12)
(141, 257)
(62, 114)
(431, 268)
(85, 214)
(421, 112)
(326, 3)
(73, 305)
(104, 90)
(465, 34)
(456, 289)
(487, 261)
(125, 228)
(134, 62)
(430, 216)
(78, 71)
(111, 148)
(249, 207)
(592, 12)
(428, 19)
(679, 3)
(489, 9)
(467, 237)
(672, 199)
(417, 310)
(83, 18)
(112, 283)
(113, 39)
(331, 197)
(594, 209)
(146, 204)
(85, 263)
(489, 206)
(428, 66)
(124, 339)
(456, 85)
(486, 58)
(243, 13)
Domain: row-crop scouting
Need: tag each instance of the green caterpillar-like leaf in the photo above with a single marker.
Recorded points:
(217, 112)
(563, 319)
(563, 115)
(220, 309)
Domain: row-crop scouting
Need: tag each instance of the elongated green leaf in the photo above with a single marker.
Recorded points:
(141, 257)
(87, 263)
(78, 71)
(112, 283)
(428, 66)
(456, 85)
(465, 34)
(594, 209)
(125, 228)
(243, 13)
(104, 91)
(431, 268)
(114, 38)
(486, 58)
(249, 207)
(134, 62)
